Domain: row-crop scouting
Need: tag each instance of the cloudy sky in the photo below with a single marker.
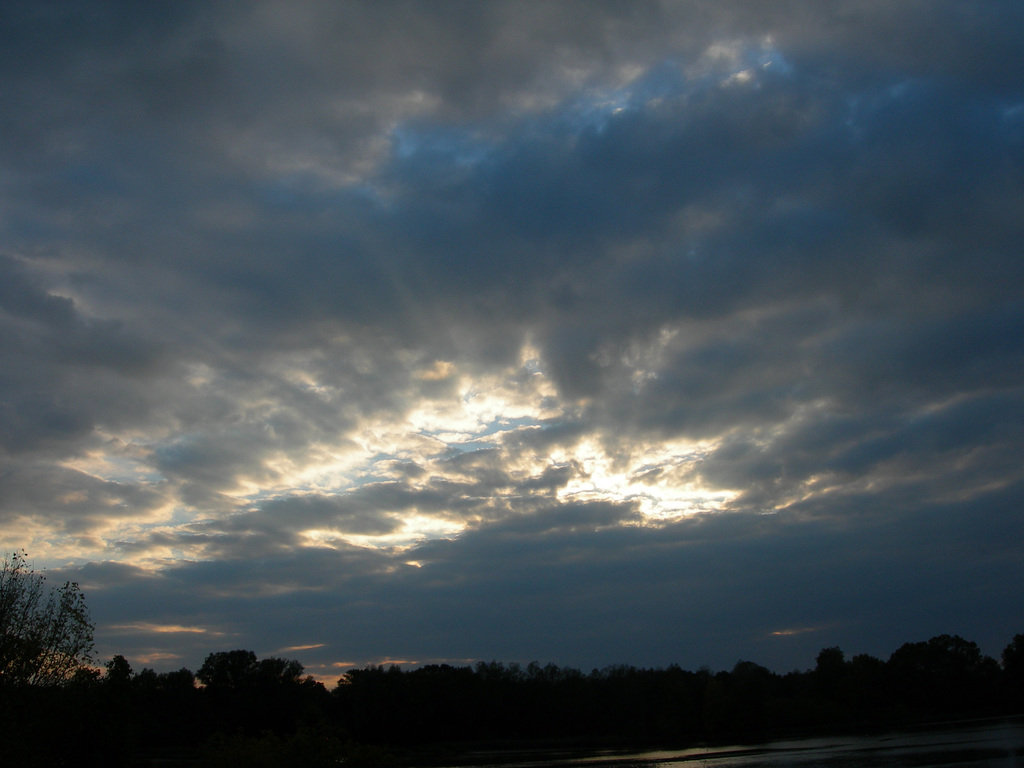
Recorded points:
(589, 333)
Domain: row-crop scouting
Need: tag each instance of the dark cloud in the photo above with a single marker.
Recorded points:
(596, 332)
(710, 590)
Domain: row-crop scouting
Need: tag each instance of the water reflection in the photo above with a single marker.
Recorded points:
(985, 745)
(993, 745)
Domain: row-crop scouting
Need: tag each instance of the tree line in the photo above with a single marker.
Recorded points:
(946, 677)
(238, 709)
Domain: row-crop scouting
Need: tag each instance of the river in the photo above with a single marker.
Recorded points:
(992, 744)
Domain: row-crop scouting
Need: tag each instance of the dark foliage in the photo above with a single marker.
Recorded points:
(241, 710)
(498, 705)
(45, 634)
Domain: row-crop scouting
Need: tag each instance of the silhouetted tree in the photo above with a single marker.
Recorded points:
(119, 672)
(228, 670)
(1013, 670)
(750, 689)
(945, 675)
(252, 712)
(866, 688)
(830, 670)
(275, 671)
(829, 684)
(168, 713)
(256, 695)
(45, 635)
(715, 715)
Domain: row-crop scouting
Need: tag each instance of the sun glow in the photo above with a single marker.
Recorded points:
(161, 629)
(659, 478)
(454, 412)
(415, 529)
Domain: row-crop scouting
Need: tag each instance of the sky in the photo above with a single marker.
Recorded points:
(586, 333)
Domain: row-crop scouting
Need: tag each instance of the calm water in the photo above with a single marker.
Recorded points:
(988, 745)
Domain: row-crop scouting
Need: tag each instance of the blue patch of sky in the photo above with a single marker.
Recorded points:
(460, 146)
(480, 439)
(91, 177)
(283, 194)
(590, 110)
(470, 446)
(1013, 113)
(295, 192)
(1012, 122)
(505, 425)
(771, 59)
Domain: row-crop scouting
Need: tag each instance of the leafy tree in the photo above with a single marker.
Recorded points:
(1013, 669)
(830, 666)
(119, 672)
(276, 671)
(228, 669)
(45, 634)
(255, 695)
(946, 674)
(829, 681)
(240, 669)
